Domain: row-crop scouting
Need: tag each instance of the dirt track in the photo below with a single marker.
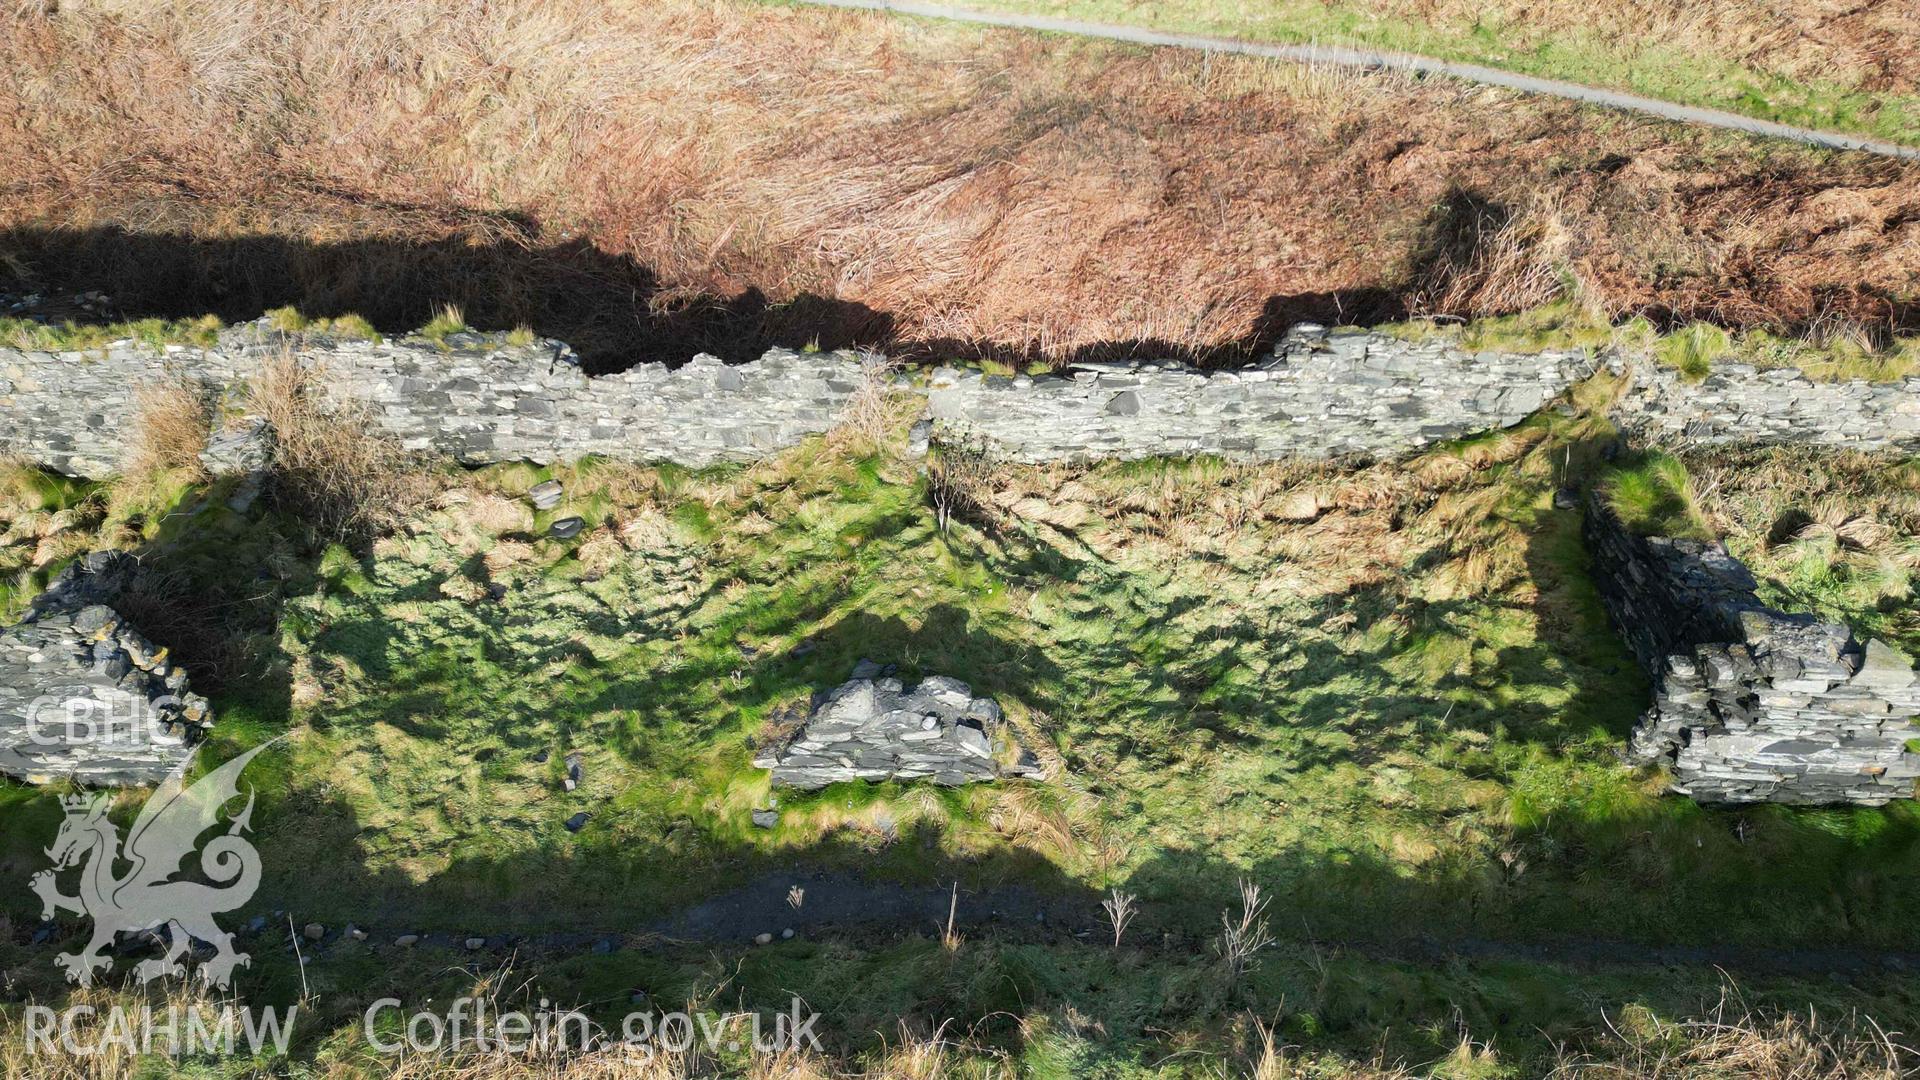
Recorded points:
(1378, 60)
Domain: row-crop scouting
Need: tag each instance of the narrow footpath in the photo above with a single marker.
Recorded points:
(1379, 60)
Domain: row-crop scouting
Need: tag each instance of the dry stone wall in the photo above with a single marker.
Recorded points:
(476, 397)
(84, 696)
(1323, 393)
(1752, 704)
(1740, 403)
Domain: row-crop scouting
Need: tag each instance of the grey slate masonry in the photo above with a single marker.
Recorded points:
(1752, 704)
(478, 398)
(873, 728)
(1323, 393)
(1739, 403)
(84, 695)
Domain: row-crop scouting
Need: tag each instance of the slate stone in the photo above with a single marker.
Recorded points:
(872, 728)
(1751, 704)
(566, 528)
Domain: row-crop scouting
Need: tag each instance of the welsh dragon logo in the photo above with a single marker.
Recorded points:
(146, 897)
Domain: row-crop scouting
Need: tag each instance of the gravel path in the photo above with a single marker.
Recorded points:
(1343, 56)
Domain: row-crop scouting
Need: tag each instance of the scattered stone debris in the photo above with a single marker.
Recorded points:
(313, 931)
(766, 819)
(578, 821)
(575, 774)
(407, 941)
(1752, 704)
(763, 939)
(475, 943)
(545, 495)
(566, 528)
(873, 728)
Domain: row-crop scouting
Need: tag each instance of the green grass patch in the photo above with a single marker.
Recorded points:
(71, 337)
(1654, 497)
(447, 321)
(1400, 719)
(1649, 65)
(289, 320)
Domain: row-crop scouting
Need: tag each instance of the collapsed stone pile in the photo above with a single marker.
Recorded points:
(85, 696)
(1752, 704)
(874, 728)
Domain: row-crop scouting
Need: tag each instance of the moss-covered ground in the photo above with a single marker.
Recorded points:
(1388, 695)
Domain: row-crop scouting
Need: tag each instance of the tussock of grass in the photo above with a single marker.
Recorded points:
(1655, 497)
(68, 336)
(330, 465)
(447, 320)
(1692, 350)
(170, 428)
(289, 320)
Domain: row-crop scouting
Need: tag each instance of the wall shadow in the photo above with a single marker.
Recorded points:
(505, 271)
(614, 311)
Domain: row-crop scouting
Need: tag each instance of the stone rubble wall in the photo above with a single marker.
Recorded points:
(1752, 704)
(477, 398)
(84, 696)
(1324, 393)
(1739, 403)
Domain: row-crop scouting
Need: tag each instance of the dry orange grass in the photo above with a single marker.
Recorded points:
(1871, 46)
(329, 464)
(628, 171)
(172, 421)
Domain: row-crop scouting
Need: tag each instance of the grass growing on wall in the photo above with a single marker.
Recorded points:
(289, 320)
(19, 333)
(1654, 496)
(1835, 352)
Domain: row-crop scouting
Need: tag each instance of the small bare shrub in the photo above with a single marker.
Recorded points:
(961, 477)
(871, 410)
(1243, 935)
(172, 421)
(1120, 911)
(330, 466)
